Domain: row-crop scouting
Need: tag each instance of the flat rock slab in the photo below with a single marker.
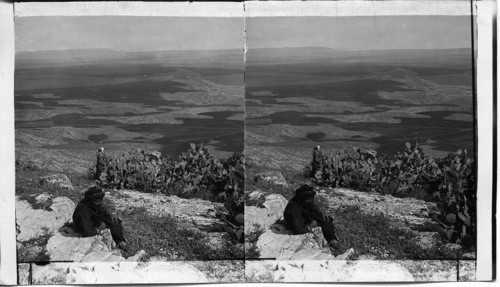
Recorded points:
(117, 273)
(408, 211)
(326, 271)
(34, 223)
(194, 210)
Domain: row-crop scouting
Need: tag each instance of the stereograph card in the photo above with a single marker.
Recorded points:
(247, 142)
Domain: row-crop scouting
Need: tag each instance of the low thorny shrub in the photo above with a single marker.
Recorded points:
(193, 174)
(449, 181)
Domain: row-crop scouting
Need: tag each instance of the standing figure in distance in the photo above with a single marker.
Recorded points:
(101, 164)
(90, 217)
(301, 216)
(317, 161)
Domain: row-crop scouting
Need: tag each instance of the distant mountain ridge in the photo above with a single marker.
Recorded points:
(235, 57)
(294, 54)
(231, 57)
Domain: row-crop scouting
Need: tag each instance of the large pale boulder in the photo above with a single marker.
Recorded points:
(118, 273)
(68, 245)
(281, 245)
(256, 217)
(32, 223)
(284, 246)
(60, 180)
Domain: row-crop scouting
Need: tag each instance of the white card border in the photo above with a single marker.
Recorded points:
(484, 89)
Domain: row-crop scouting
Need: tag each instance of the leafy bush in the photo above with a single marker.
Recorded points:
(194, 173)
(449, 181)
(457, 199)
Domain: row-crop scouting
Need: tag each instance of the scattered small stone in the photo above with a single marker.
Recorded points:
(273, 177)
(256, 194)
(469, 255)
(42, 198)
(60, 180)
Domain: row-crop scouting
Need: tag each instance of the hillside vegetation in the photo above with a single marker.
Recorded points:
(448, 181)
(193, 174)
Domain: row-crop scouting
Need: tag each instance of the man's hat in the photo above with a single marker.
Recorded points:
(305, 191)
(94, 193)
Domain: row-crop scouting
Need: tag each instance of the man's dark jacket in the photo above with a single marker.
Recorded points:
(317, 162)
(101, 164)
(298, 216)
(87, 219)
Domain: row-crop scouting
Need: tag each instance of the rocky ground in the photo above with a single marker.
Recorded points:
(305, 258)
(45, 234)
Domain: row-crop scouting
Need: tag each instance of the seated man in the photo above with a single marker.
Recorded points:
(90, 217)
(301, 215)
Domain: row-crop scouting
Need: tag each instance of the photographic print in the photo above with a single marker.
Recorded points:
(360, 147)
(247, 142)
(129, 141)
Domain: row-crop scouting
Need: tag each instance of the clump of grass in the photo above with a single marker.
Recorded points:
(25, 253)
(373, 235)
(251, 250)
(28, 183)
(162, 236)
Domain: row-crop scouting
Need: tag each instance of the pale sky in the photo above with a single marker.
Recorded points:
(127, 33)
(360, 33)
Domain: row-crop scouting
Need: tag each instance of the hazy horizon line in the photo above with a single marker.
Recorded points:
(247, 48)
